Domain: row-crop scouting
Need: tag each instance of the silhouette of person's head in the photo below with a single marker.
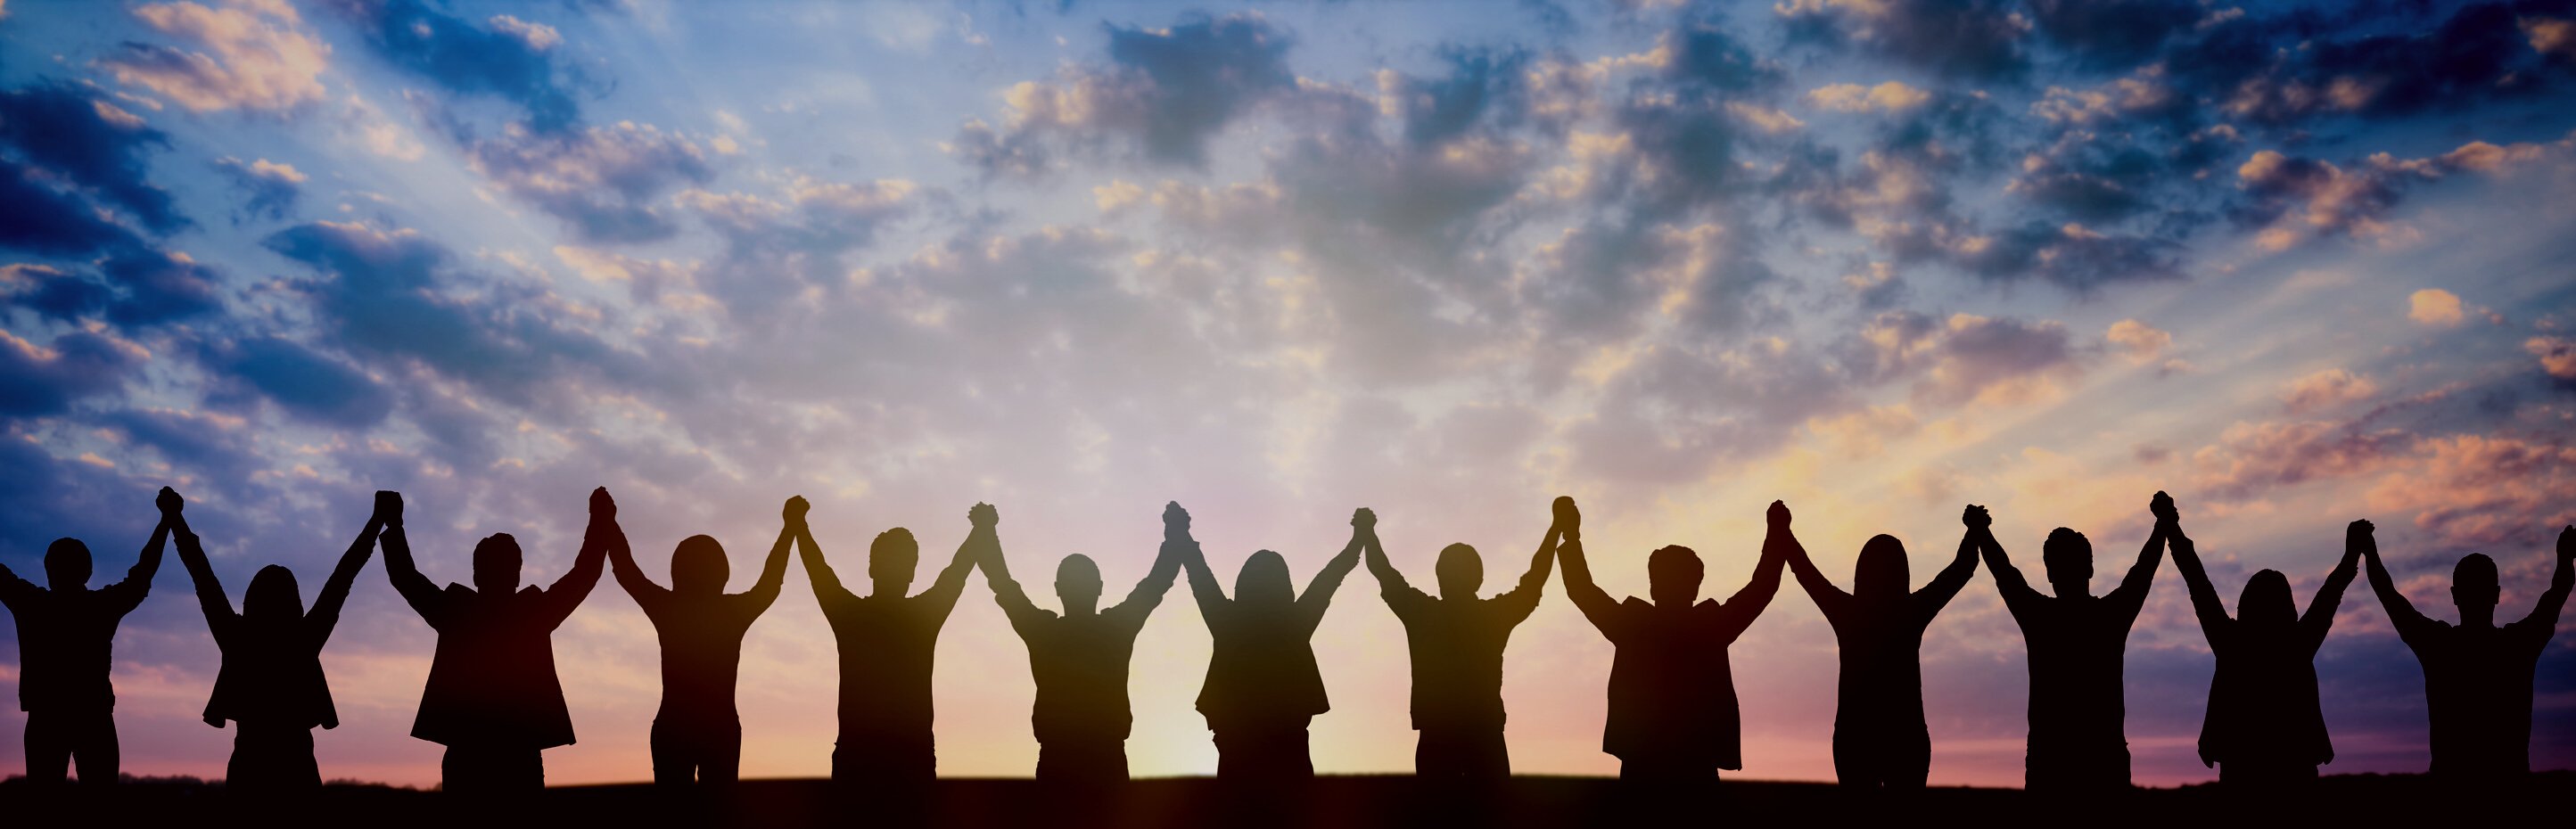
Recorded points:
(2266, 603)
(2474, 588)
(496, 565)
(892, 559)
(273, 596)
(1264, 583)
(1460, 571)
(698, 566)
(2068, 555)
(1882, 571)
(1673, 574)
(67, 564)
(1077, 583)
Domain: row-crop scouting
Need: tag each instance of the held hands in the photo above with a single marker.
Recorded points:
(2357, 537)
(2163, 508)
(170, 503)
(1364, 520)
(389, 507)
(983, 516)
(2567, 545)
(794, 511)
(1778, 515)
(602, 507)
(1568, 519)
(1976, 518)
(1176, 521)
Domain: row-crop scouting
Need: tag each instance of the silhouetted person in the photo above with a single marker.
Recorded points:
(492, 697)
(2477, 676)
(1080, 658)
(1262, 685)
(886, 640)
(65, 631)
(697, 733)
(2265, 728)
(1673, 716)
(1456, 642)
(2078, 739)
(271, 683)
(1880, 740)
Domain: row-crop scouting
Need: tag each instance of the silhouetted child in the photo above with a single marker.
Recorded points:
(697, 733)
(2477, 676)
(1263, 687)
(65, 632)
(2078, 738)
(492, 697)
(2265, 728)
(886, 640)
(1079, 659)
(1672, 716)
(271, 684)
(1880, 740)
(1456, 642)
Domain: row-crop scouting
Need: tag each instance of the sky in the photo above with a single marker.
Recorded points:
(2296, 264)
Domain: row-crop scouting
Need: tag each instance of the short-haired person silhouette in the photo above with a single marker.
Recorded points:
(1880, 739)
(1673, 716)
(492, 697)
(65, 635)
(1263, 686)
(2078, 740)
(1079, 659)
(886, 640)
(271, 683)
(2477, 675)
(2265, 728)
(697, 733)
(1456, 642)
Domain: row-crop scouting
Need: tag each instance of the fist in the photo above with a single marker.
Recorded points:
(389, 506)
(169, 501)
(794, 511)
(1976, 518)
(1567, 517)
(2567, 543)
(2362, 529)
(1779, 514)
(1175, 519)
(602, 507)
(1364, 519)
(983, 515)
(2163, 507)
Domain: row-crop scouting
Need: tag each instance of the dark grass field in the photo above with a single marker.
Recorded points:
(2547, 799)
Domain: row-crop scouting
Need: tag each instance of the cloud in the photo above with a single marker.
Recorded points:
(91, 145)
(2326, 389)
(1168, 90)
(263, 59)
(606, 181)
(776, 250)
(1970, 39)
(38, 380)
(2143, 343)
(2434, 307)
(2478, 54)
(2252, 458)
(269, 188)
(2557, 355)
(2484, 491)
(308, 385)
(2293, 195)
(1888, 96)
(1965, 357)
(2112, 34)
(506, 58)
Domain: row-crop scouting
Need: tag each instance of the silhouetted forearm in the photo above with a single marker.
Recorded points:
(1158, 581)
(827, 584)
(1756, 594)
(2204, 596)
(951, 581)
(621, 561)
(1596, 604)
(2321, 609)
(210, 590)
(2561, 580)
(1820, 589)
(1319, 592)
(2401, 613)
(1203, 584)
(2008, 579)
(1947, 583)
(773, 572)
(1388, 578)
(566, 593)
(344, 575)
(2142, 575)
(148, 563)
(415, 588)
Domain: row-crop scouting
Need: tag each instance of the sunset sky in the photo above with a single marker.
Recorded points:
(2295, 263)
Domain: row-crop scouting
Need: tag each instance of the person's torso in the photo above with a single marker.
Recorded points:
(65, 649)
(1080, 667)
(701, 638)
(2077, 647)
(1881, 679)
(886, 646)
(1457, 650)
(2477, 689)
(1670, 680)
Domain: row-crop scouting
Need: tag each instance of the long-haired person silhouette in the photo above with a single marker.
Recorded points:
(886, 640)
(1263, 687)
(492, 697)
(1673, 716)
(697, 733)
(65, 635)
(1880, 740)
(1456, 642)
(1079, 659)
(2078, 739)
(2477, 675)
(2265, 728)
(271, 684)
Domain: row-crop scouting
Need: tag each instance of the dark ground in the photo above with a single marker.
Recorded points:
(2548, 799)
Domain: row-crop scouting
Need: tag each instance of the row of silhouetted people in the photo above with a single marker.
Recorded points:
(494, 700)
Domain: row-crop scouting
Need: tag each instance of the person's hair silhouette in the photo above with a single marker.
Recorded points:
(1672, 716)
(2265, 728)
(2477, 675)
(65, 634)
(492, 697)
(886, 640)
(1263, 687)
(697, 733)
(271, 683)
(1880, 740)
(1079, 659)
(1456, 642)
(2078, 740)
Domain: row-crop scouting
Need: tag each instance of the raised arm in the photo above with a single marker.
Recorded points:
(1778, 544)
(1588, 597)
(773, 570)
(1148, 593)
(415, 588)
(2131, 595)
(827, 584)
(192, 555)
(2204, 596)
(1946, 584)
(1523, 597)
(2545, 615)
(2401, 613)
(128, 594)
(1829, 599)
(997, 571)
(563, 596)
(1203, 584)
(621, 561)
(1319, 592)
(2321, 610)
(944, 590)
(335, 591)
